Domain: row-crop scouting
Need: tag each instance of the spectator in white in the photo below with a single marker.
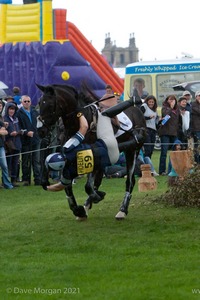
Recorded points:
(188, 97)
(149, 109)
(185, 124)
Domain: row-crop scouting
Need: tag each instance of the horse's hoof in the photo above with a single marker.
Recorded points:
(99, 196)
(87, 207)
(95, 198)
(80, 212)
(120, 215)
(88, 204)
(81, 219)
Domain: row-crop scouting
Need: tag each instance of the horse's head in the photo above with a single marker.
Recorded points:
(47, 110)
(57, 101)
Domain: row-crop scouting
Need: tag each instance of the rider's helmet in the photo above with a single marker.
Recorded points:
(55, 161)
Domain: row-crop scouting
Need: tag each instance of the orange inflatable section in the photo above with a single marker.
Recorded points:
(98, 63)
(59, 16)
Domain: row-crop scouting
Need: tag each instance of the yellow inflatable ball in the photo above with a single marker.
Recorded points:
(65, 75)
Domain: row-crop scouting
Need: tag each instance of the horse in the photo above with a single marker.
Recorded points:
(65, 102)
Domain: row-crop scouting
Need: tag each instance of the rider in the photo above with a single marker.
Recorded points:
(104, 152)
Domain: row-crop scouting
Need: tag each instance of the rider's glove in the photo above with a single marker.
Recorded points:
(73, 142)
(44, 186)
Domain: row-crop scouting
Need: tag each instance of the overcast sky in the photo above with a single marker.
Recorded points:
(162, 29)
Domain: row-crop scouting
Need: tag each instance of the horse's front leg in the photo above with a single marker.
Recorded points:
(91, 188)
(44, 171)
(45, 178)
(98, 177)
(130, 183)
(78, 210)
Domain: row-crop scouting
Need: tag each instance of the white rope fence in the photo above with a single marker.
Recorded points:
(55, 146)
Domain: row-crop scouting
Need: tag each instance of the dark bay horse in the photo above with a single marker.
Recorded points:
(65, 102)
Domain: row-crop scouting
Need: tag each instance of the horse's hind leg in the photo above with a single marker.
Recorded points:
(130, 183)
(78, 210)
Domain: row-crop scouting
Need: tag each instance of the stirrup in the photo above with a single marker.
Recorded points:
(123, 146)
(138, 138)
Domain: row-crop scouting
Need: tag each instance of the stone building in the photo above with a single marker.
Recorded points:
(119, 57)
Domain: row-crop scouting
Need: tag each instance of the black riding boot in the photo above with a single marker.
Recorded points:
(116, 109)
(131, 143)
(138, 138)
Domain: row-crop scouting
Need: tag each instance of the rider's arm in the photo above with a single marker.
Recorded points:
(83, 125)
(79, 136)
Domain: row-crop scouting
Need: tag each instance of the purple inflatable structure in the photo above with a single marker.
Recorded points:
(24, 65)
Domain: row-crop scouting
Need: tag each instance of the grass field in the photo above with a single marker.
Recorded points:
(47, 254)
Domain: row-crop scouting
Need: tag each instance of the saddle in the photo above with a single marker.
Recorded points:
(125, 124)
(121, 125)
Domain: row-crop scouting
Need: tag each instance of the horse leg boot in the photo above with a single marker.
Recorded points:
(95, 196)
(130, 183)
(116, 109)
(78, 210)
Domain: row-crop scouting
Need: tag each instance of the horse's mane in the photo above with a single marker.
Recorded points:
(66, 88)
(86, 95)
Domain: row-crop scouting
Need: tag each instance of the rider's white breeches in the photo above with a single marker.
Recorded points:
(105, 132)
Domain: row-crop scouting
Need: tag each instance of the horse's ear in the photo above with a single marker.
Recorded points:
(46, 89)
(41, 87)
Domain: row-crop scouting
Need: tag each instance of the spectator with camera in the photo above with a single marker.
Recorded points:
(168, 131)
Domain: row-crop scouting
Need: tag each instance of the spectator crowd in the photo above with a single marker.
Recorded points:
(20, 144)
(19, 141)
(179, 120)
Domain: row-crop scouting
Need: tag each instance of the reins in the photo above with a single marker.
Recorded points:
(79, 109)
(58, 106)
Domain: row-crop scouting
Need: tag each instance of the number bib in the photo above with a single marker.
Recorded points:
(85, 162)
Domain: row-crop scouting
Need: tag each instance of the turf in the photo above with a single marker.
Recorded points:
(47, 254)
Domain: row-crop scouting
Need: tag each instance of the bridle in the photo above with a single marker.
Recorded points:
(54, 112)
(40, 120)
(58, 109)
